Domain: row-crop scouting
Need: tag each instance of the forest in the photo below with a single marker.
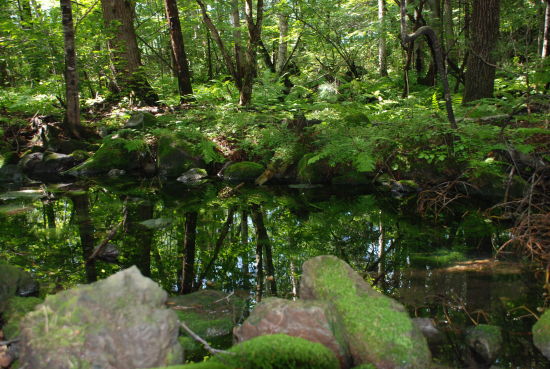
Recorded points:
(223, 147)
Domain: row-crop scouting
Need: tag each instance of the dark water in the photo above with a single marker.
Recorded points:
(442, 270)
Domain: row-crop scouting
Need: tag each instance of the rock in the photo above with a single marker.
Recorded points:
(16, 309)
(15, 282)
(485, 341)
(30, 160)
(117, 323)
(210, 314)
(47, 165)
(377, 328)
(116, 173)
(541, 334)
(193, 176)
(140, 120)
(176, 156)
(403, 188)
(316, 172)
(312, 320)
(11, 173)
(114, 153)
(279, 351)
(429, 330)
(242, 171)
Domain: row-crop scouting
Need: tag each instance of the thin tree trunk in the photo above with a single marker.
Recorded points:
(282, 52)
(262, 240)
(382, 52)
(480, 68)
(137, 237)
(130, 78)
(188, 271)
(237, 40)
(72, 112)
(219, 243)
(546, 40)
(244, 243)
(209, 55)
(429, 32)
(181, 65)
(83, 219)
(381, 246)
(293, 281)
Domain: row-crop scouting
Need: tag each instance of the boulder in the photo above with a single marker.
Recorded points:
(212, 315)
(15, 282)
(429, 330)
(541, 334)
(378, 329)
(11, 173)
(176, 156)
(193, 176)
(485, 341)
(117, 323)
(47, 165)
(242, 171)
(16, 308)
(140, 120)
(114, 153)
(314, 321)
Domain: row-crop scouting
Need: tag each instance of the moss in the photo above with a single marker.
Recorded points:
(10, 157)
(365, 366)
(541, 334)
(16, 309)
(114, 153)
(210, 364)
(246, 171)
(279, 351)
(175, 155)
(437, 258)
(370, 318)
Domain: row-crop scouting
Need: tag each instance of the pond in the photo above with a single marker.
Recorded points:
(440, 265)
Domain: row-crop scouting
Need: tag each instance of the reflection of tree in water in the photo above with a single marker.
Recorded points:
(257, 240)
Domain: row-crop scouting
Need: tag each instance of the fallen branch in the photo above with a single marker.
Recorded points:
(197, 338)
(101, 246)
(7, 343)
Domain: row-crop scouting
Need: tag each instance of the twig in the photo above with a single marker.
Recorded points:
(225, 298)
(9, 342)
(99, 248)
(197, 338)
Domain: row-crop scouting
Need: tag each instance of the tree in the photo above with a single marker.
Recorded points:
(72, 112)
(480, 67)
(189, 247)
(382, 52)
(241, 67)
(546, 39)
(118, 16)
(181, 67)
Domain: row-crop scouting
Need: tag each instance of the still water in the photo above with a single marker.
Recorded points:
(441, 266)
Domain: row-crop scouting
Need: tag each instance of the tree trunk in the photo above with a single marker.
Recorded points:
(137, 237)
(480, 67)
(546, 40)
(72, 112)
(244, 243)
(282, 52)
(130, 78)
(188, 274)
(181, 65)
(382, 53)
(83, 219)
(262, 241)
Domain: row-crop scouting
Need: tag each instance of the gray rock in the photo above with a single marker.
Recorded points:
(116, 173)
(193, 176)
(117, 323)
(314, 321)
(140, 119)
(541, 334)
(11, 173)
(429, 330)
(15, 282)
(486, 341)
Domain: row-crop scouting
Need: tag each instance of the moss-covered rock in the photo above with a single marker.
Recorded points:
(114, 153)
(243, 171)
(10, 157)
(541, 334)
(316, 172)
(16, 309)
(212, 315)
(279, 351)
(140, 120)
(486, 341)
(176, 155)
(378, 329)
(315, 321)
(15, 282)
(117, 323)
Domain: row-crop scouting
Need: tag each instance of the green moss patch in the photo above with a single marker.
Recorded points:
(16, 309)
(246, 171)
(541, 334)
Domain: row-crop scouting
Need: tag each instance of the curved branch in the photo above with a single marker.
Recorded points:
(438, 58)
